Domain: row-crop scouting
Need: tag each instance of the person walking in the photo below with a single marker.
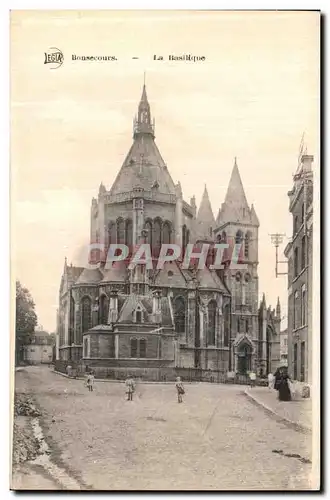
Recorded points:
(253, 378)
(90, 381)
(284, 392)
(180, 389)
(270, 381)
(130, 388)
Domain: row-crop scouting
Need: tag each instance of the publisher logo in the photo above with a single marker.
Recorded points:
(54, 57)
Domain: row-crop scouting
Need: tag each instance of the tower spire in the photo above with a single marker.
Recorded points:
(143, 123)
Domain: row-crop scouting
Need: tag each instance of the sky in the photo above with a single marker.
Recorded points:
(253, 97)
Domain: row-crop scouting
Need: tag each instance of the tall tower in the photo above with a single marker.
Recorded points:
(237, 224)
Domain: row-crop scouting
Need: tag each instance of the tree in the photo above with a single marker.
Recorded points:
(26, 318)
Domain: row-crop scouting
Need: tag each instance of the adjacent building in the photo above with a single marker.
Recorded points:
(40, 348)
(146, 319)
(299, 253)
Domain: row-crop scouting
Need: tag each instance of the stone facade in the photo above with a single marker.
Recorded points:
(111, 315)
(299, 253)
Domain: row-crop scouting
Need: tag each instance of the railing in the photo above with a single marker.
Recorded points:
(155, 374)
(146, 195)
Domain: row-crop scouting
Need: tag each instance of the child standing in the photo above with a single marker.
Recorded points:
(130, 388)
(90, 381)
(179, 388)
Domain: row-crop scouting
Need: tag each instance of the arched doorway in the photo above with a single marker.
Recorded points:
(244, 356)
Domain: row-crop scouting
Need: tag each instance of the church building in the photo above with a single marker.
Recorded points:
(144, 320)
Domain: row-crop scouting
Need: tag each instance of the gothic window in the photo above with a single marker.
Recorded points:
(159, 347)
(238, 325)
(72, 319)
(296, 268)
(238, 277)
(224, 237)
(179, 314)
(303, 252)
(184, 236)
(103, 310)
(86, 313)
(157, 236)
(134, 347)
(85, 348)
(148, 227)
(302, 213)
(239, 237)
(226, 325)
(247, 244)
(143, 348)
(121, 231)
(246, 326)
(295, 224)
(187, 236)
(212, 311)
(112, 233)
(138, 316)
(167, 233)
(129, 233)
(247, 278)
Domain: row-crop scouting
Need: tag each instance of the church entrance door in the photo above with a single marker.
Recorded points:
(244, 359)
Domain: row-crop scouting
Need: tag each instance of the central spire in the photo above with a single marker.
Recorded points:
(143, 123)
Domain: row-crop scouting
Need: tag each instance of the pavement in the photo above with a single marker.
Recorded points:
(296, 413)
(215, 440)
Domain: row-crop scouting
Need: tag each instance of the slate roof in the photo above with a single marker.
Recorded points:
(205, 218)
(117, 273)
(89, 276)
(143, 166)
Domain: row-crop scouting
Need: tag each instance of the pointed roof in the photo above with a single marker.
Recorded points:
(235, 207)
(235, 192)
(143, 166)
(205, 217)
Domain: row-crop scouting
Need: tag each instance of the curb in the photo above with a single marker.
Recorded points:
(290, 423)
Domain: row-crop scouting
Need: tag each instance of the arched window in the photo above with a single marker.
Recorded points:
(85, 348)
(167, 233)
(138, 316)
(303, 213)
(143, 348)
(129, 234)
(133, 348)
(148, 227)
(184, 237)
(212, 311)
(179, 314)
(121, 231)
(303, 252)
(247, 244)
(86, 314)
(246, 326)
(238, 325)
(238, 237)
(296, 262)
(112, 236)
(295, 224)
(103, 310)
(187, 236)
(226, 314)
(157, 237)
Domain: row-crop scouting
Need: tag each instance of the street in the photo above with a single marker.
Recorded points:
(215, 440)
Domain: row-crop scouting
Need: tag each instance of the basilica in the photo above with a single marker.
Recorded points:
(144, 320)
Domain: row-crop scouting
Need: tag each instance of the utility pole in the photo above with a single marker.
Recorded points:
(277, 240)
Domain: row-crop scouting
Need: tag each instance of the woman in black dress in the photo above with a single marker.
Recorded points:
(284, 393)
